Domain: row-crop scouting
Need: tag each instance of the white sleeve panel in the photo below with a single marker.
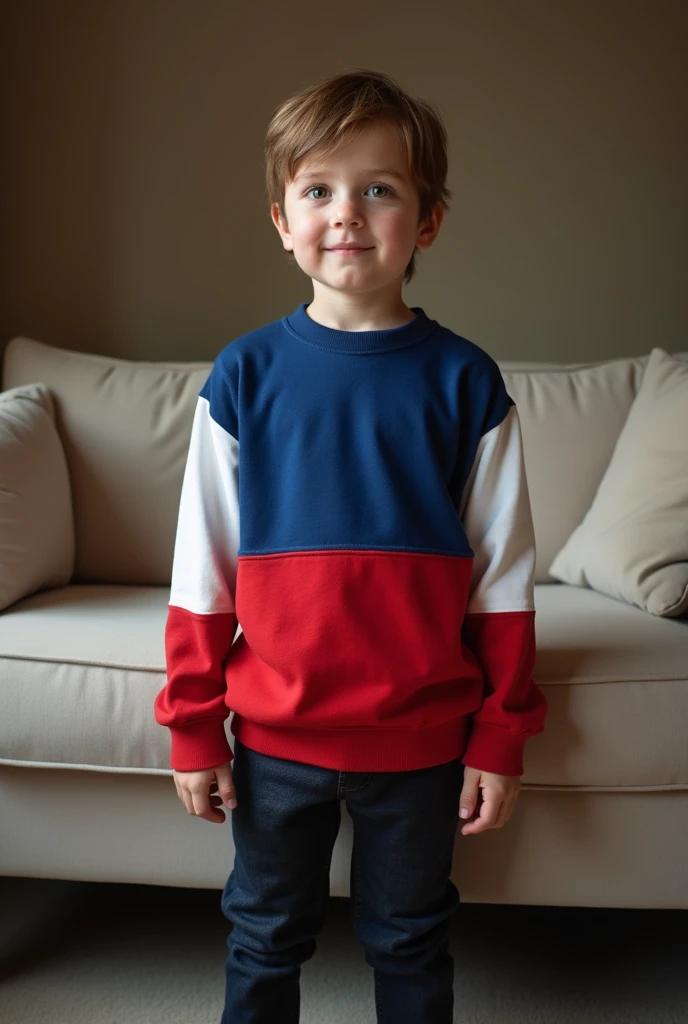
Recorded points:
(496, 514)
(207, 540)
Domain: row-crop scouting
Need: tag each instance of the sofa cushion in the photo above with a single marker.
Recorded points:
(571, 419)
(125, 428)
(633, 542)
(36, 520)
(80, 668)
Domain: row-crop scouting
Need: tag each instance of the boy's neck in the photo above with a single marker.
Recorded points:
(344, 312)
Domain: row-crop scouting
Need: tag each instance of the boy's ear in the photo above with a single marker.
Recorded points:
(281, 225)
(428, 230)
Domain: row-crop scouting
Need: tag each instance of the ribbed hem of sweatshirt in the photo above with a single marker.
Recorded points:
(300, 325)
(358, 750)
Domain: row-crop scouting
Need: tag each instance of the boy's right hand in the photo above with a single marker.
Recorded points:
(204, 791)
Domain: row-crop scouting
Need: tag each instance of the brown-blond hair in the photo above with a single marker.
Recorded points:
(334, 112)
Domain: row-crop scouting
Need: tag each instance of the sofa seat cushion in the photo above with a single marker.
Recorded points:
(80, 667)
(616, 679)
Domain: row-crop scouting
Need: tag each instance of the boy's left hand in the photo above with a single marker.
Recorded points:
(499, 794)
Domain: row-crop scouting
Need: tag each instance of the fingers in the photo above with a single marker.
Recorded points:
(498, 794)
(200, 800)
(225, 785)
(486, 814)
(197, 791)
(470, 794)
(493, 814)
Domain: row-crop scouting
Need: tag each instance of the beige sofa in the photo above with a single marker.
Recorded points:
(85, 788)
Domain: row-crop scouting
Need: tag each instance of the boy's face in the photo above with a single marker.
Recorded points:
(349, 198)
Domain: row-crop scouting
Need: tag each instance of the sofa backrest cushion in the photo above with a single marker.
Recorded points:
(125, 428)
(571, 417)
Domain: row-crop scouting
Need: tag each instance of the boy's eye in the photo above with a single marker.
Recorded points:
(314, 188)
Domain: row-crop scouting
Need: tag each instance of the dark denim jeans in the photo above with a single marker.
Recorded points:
(284, 828)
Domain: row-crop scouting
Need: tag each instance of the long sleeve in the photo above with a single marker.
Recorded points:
(201, 622)
(499, 626)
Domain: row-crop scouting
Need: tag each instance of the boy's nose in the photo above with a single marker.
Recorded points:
(346, 212)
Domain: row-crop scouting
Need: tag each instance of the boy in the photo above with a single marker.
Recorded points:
(383, 575)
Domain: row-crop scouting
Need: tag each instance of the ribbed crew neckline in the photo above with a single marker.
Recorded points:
(302, 327)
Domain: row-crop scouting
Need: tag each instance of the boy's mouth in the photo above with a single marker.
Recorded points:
(350, 250)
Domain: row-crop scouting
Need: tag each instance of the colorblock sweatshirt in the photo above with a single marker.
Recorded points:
(354, 557)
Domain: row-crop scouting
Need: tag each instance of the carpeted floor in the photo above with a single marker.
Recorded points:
(96, 953)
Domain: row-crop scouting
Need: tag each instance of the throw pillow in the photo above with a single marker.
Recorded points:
(36, 520)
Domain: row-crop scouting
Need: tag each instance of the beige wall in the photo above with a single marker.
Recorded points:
(134, 218)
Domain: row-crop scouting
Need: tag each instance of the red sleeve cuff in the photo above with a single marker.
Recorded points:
(200, 745)
(491, 748)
